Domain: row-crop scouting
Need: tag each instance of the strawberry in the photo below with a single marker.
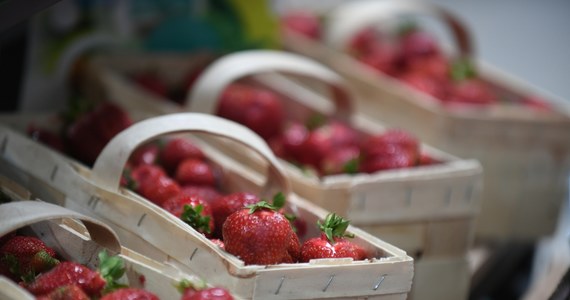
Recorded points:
(66, 273)
(259, 234)
(218, 243)
(144, 173)
(46, 137)
(195, 172)
(192, 210)
(89, 133)
(332, 243)
(341, 160)
(293, 137)
(426, 160)
(146, 154)
(363, 41)
(472, 91)
(259, 109)
(207, 193)
(392, 149)
(436, 67)
(416, 43)
(382, 56)
(324, 139)
(130, 294)
(199, 291)
(150, 82)
(425, 83)
(388, 162)
(26, 256)
(176, 150)
(66, 292)
(302, 22)
(536, 103)
(159, 189)
(226, 205)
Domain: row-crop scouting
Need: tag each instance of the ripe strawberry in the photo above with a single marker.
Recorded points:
(436, 67)
(293, 137)
(382, 56)
(144, 173)
(390, 141)
(146, 154)
(66, 273)
(418, 43)
(258, 234)
(362, 41)
(195, 172)
(324, 139)
(159, 189)
(193, 210)
(66, 292)
(303, 22)
(46, 137)
(130, 294)
(536, 103)
(227, 205)
(207, 193)
(258, 109)
(426, 160)
(396, 160)
(341, 160)
(176, 150)
(472, 91)
(199, 291)
(425, 83)
(332, 243)
(150, 82)
(89, 133)
(26, 256)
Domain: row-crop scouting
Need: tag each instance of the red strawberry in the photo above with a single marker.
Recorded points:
(341, 160)
(159, 189)
(259, 109)
(387, 162)
(293, 137)
(426, 160)
(143, 173)
(195, 172)
(332, 243)
(425, 83)
(324, 139)
(383, 57)
(130, 294)
(472, 91)
(199, 291)
(258, 234)
(302, 22)
(67, 273)
(46, 137)
(362, 41)
(176, 150)
(146, 154)
(207, 193)
(436, 67)
(192, 210)
(389, 142)
(226, 205)
(536, 103)
(418, 43)
(66, 292)
(88, 134)
(26, 256)
(218, 243)
(150, 82)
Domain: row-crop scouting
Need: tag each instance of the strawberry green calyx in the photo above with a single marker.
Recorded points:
(334, 226)
(315, 121)
(278, 202)
(351, 166)
(111, 268)
(185, 284)
(462, 69)
(193, 217)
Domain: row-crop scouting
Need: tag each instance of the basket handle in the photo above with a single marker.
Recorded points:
(346, 20)
(12, 290)
(108, 167)
(206, 92)
(18, 214)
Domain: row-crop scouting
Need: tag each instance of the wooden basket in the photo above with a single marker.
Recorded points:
(80, 238)
(525, 154)
(148, 229)
(416, 208)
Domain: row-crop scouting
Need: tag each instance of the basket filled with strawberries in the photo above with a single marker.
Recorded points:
(407, 77)
(49, 252)
(160, 207)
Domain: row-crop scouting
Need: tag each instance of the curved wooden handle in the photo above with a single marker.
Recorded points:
(15, 215)
(348, 19)
(206, 91)
(11, 290)
(109, 166)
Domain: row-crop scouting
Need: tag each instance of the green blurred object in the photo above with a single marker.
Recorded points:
(184, 34)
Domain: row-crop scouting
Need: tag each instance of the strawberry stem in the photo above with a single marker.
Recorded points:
(278, 202)
(111, 268)
(462, 69)
(334, 226)
(315, 121)
(193, 217)
(185, 284)
(351, 166)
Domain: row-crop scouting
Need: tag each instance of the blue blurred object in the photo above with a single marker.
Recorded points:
(183, 34)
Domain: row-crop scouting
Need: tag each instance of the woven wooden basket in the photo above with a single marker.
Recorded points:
(525, 154)
(148, 229)
(80, 238)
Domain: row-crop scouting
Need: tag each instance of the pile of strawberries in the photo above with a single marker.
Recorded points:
(28, 261)
(323, 145)
(174, 174)
(413, 56)
(86, 131)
